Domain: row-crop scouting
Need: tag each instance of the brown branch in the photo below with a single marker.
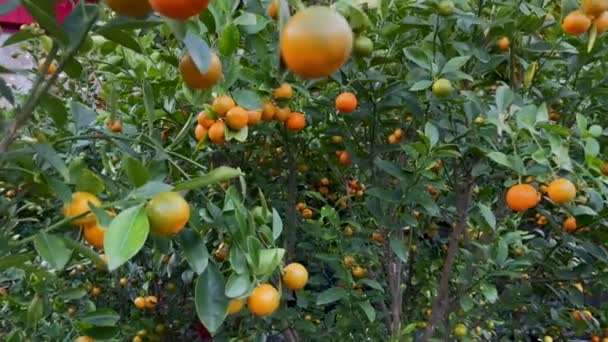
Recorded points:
(441, 303)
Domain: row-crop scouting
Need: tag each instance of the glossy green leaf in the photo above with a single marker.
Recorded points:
(46, 152)
(126, 235)
(238, 285)
(229, 40)
(52, 249)
(331, 295)
(398, 247)
(194, 250)
(199, 51)
(368, 309)
(35, 311)
(101, 318)
(219, 174)
(46, 21)
(136, 171)
(209, 298)
(89, 182)
(277, 224)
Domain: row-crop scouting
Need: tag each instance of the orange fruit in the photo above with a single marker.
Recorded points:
(594, 8)
(140, 303)
(264, 300)
(595, 339)
(216, 133)
(377, 237)
(324, 181)
(168, 213)
(587, 314)
(346, 102)
(105, 260)
(137, 9)
(273, 9)
(316, 42)
(295, 122)
(570, 224)
(179, 9)
(268, 111)
(80, 205)
(300, 206)
(254, 117)
(235, 305)
(348, 261)
(307, 213)
(95, 292)
(200, 132)
(283, 92)
(561, 191)
(577, 316)
(344, 158)
(295, 276)
(503, 44)
(601, 22)
(576, 23)
(392, 139)
(237, 118)
(114, 126)
(359, 272)
(84, 339)
(196, 79)
(398, 133)
(222, 104)
(522, 197)
(324, 190)
(151, 302)
(94, 233)
(281, 114)
(204, 120)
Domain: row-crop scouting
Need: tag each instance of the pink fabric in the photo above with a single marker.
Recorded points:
(21, 16)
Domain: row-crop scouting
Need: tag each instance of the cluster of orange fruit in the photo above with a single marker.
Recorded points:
(541, 220)
(355, 188)
(306, 212)
(148, 302)
(356, 270)
(344, 158)
(522, 197)
(396, 137)
(265, 298)
(114, 126)
(592, 13)
(167, 213)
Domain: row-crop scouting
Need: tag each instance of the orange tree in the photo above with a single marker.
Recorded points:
(328, 172)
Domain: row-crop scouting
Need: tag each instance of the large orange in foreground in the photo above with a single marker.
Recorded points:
(264, 300)
(316, 42)
(576, 23)
(295, 276)
(199, 80)
(168, 213)
(561, 191)
(179, 9)
(522, 197)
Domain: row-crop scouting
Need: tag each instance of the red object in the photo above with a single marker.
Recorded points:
(203, 333)
(20, 15)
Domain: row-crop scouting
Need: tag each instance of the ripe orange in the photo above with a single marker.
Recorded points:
(140, 303)
(337, 139)
(522, 197)
(346, 102)
(601, 23)
(273, 9)
(576, 23)
(316, 42)
(114, 126)
(295, 122)
(295, 276)
(324, 181)
(196, 79)
(268, 111)
(254, 117)
(324, 190)
(359, 272)
(80, 205)
(179, 9)
(570, 224)
(137, 9)
(216, 133)
(264, 300)
(200, 132)
(307, 213)
(84, 339)
(105, 260)
(235, 305)
(204, 120)
(348, 261)
(222, 104)
(237, 118)
(503, 44)
(595, 8)
(377, 237)
(95, 292)
(168, 213)
(595, 338)
(283, 92)
(94, 234)
(587, 314)
(151, 302)
(392, 139)
(300, 206)
(345, 158)
(398, 133)
(561, 191)
(577, 316)
(281, 114)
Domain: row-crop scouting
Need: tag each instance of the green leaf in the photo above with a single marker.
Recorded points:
(89, 182)
(455, 64)
(101, 318)
(35, 311)
(209, 298)
(502, 252)
(432, 133)
(73, 68)
(418, 56)
(19, 37)
(46, 152)
(526, 118)
(398, 247)
(269, 259)
(194, 250)
(82, 115)
(390, 168)
(73, 294)
(592, 147)
(421, 85)
(238, 285)
(237, 259)
(487, 214)
(121, 37)
(136, 171)
(229, 40)
(240, 135)
(52, 249)
(331, 295)
(504, 97)
(46, 21)
(581, 122)
(55, 108)
(247, 99)
(372, 283)
(15, 260)
(500, 158)
(219, 174)
(150, 189)
(149, 104)
(277, 224)
(6, 92)
(489, 291)
(126, 236)
(76, 22)
(368, 309)
(199, 51)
